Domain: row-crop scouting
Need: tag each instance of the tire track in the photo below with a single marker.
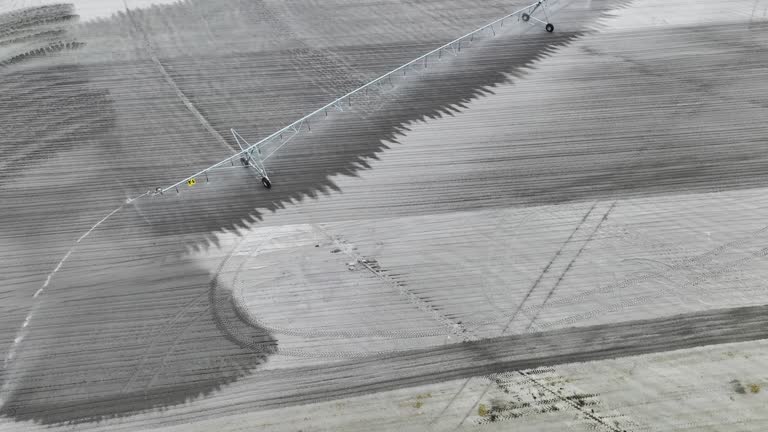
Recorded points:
(696, 281)
(518, 400)
(685, 263)
(350, 333)
(221, 302)
(156, 337)
(324, 68)
(512, 318)
(694, 85)
(454, 327)
(172, 83)
(570, 264)
(244, 315)
(558, 254)
(580, 408)
(547, 267)
(304, 385)
(241, 304)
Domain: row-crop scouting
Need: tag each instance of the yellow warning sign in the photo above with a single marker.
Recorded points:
(191, 182)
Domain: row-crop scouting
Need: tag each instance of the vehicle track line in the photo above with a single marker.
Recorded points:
(514, 315)
(547, 267)
(554, 287)
(453, 326)
(570, 264)
(172, 83)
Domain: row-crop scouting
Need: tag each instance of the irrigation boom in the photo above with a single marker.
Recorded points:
(250, 155)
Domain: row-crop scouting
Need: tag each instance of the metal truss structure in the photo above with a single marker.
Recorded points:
(252, 155)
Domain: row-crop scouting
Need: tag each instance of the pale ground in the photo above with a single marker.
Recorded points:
(471, 262)
(649, 258)
(372, 269)
(707, 389)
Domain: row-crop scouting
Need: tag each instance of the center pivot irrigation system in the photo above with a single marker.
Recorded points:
(252, 155)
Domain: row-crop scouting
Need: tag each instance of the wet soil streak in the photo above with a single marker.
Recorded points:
(508, 353)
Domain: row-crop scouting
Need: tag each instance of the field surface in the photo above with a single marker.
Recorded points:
(544, 232)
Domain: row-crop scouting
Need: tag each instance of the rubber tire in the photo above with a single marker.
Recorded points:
(266, 183)
(550, 28)
(244, 161)
(525, 17)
